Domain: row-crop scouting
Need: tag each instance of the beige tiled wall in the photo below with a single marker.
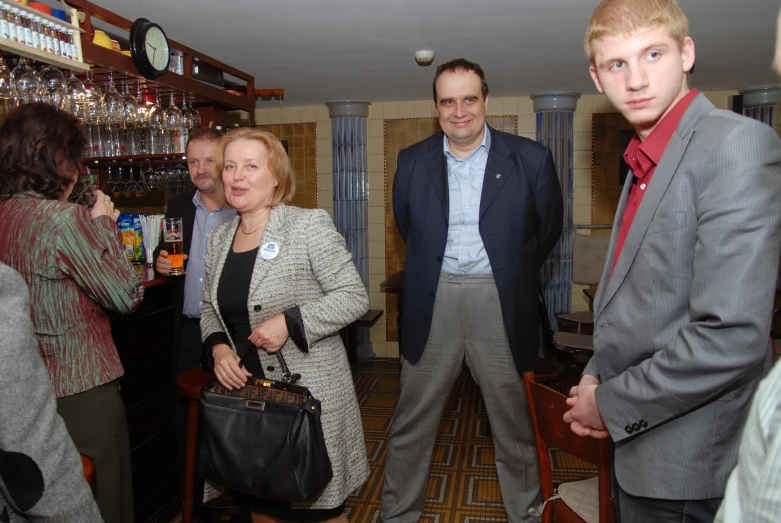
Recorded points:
(521, 106)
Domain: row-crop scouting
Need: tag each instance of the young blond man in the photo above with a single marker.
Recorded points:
(681, 315)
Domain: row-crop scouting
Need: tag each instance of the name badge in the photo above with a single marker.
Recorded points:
(269, 251)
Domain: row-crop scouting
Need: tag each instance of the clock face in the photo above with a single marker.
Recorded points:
(156, 47)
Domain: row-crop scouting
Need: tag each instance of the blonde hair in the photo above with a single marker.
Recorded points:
(278, 161)
(612, 17)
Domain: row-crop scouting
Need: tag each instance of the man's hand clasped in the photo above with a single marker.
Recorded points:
(584, 417)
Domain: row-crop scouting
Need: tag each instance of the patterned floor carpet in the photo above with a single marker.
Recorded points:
(463, 486)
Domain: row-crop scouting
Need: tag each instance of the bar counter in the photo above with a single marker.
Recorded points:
(144, 340)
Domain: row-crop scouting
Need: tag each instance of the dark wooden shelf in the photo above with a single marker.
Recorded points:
(232, 97)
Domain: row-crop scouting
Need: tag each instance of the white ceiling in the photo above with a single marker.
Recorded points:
(319, 50)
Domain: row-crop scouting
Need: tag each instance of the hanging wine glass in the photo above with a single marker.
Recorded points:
(156, 134)
(6, 89)
(114, 108)
(53, 86)
(75, 96)
(131, 135)
(191, 117)
(172, 123)
(24, 82)
(111, 183)
(143, 185)
(94, 116)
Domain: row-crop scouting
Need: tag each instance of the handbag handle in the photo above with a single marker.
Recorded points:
(251, 361)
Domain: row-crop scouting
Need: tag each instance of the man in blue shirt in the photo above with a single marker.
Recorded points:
(479, 211)
(201, 210)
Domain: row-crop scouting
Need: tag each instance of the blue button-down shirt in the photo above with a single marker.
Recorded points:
(464, 251)
(205, 221)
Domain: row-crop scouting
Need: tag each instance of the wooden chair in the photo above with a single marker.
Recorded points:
(547, 408)
(588, 260)
(89, 470)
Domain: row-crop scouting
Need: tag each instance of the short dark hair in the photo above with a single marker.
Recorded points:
(460, 64)
(203, 133)
(40, 149)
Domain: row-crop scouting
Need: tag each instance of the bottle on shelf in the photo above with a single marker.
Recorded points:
(27, 28)
(5, 27)
(74, 49)
(35, 22)
(16, 29)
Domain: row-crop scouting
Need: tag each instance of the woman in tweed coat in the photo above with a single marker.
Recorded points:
(280, 277)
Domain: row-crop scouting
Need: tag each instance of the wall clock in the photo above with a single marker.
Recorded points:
(149, 48)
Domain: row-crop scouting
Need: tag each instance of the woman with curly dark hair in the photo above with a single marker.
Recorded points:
(74, 263)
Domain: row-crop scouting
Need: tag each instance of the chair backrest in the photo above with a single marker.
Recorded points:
(547, 408)
(588, 257)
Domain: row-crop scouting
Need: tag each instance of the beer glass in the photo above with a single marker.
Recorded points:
(173, 236)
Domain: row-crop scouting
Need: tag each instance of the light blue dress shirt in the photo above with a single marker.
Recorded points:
(464, 251)
(205, 221)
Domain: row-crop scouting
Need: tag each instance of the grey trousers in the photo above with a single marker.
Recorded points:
(467, 325)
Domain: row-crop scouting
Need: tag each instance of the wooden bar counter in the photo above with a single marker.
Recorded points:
(144, 340)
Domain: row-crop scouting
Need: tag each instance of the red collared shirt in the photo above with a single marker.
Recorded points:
(643, 156)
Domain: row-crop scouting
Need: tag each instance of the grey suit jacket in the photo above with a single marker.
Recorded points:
(41, 475)
(315, 272)
(681, 334)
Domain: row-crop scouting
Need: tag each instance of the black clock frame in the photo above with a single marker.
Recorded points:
(138, 32)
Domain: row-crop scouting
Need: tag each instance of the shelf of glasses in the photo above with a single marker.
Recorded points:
(15, 48)
(136, 158)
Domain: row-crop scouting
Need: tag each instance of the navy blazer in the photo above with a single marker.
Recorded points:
(520, 222)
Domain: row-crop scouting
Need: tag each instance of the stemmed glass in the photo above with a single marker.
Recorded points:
(131, 135)
(190, 116)
(94, 116)
(25, 83)
(6, 88)
(172, 123)
(114, 108)
(111, 183)
(156, 141)
(76, 98)
(53, 86)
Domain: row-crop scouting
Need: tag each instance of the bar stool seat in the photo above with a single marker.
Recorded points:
(89, 470)
(190, 383)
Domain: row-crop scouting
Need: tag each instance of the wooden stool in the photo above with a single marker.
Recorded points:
(89, 470)
(190, 383)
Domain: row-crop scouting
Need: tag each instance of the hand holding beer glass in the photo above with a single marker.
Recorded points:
(171, 260)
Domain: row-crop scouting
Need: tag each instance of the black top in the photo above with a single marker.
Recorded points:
(233, 294)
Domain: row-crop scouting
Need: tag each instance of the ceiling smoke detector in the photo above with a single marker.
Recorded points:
(424, 57)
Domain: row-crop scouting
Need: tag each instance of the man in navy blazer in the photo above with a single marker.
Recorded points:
(479, 210)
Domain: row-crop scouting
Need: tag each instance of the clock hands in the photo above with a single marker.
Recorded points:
(154, 51)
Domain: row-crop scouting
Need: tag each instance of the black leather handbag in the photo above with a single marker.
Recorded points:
(264, 439)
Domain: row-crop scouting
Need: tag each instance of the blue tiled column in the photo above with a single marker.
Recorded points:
(555, 111)
(760, 103)
(351, 189)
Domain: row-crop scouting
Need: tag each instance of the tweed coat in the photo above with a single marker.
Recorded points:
(315, 272)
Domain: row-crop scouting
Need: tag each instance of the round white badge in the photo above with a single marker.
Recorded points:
(269, 251)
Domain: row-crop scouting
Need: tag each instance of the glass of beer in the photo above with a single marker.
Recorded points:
(173, 236)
